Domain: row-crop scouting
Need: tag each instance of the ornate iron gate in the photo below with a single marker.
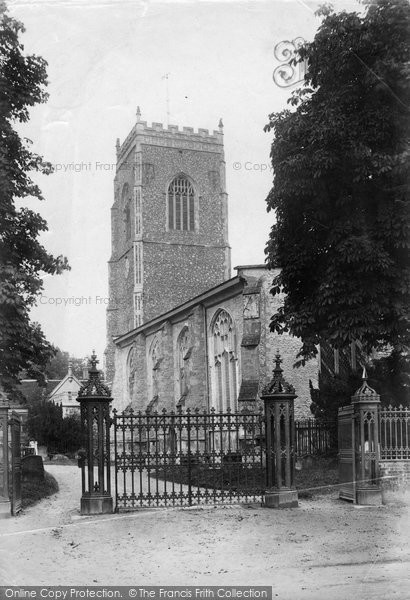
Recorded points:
(186, 458)
(15, 463)
(347, 464)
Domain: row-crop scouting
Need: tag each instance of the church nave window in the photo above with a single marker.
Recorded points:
(225, 362)
(184, 354)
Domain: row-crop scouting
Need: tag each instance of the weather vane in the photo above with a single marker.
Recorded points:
(166, 77)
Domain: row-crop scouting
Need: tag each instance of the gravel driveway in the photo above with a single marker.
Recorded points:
(326, 548)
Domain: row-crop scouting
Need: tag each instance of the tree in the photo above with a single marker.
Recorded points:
(46, 425)
(57, 367)
(22, 82)
(340, 157)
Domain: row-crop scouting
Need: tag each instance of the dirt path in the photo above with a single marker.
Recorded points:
(324, 549)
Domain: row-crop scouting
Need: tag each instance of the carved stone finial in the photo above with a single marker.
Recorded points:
(365, 392)
(70, 368)
(138, 114)
(94, 361)
(93, 386)
(278, 385)
(277, 371)
(220, 125)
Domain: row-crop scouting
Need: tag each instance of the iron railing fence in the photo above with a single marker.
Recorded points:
(395, 433)
(313, 438)
(194, 457)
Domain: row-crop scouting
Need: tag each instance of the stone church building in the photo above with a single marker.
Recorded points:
(181, 330)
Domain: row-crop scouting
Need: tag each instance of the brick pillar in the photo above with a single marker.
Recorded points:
(5, 505)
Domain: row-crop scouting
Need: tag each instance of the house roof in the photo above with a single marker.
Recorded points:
(61, 383)
(31, 390)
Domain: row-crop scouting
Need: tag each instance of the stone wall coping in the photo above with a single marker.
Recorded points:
(241, 267)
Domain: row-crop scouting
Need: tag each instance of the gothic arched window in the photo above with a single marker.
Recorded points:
(181, 204)
(154, 365)
(225, 362)
(131, 372)
(184, 354)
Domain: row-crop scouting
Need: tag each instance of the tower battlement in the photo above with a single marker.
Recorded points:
(172, 136)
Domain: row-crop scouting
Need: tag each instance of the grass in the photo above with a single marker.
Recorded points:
(320, 477)
(316, 478)
(34, 490)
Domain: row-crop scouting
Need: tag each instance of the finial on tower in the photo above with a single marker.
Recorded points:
(138, 114)
(221, 125)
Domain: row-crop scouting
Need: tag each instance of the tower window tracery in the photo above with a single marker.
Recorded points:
(181, 204)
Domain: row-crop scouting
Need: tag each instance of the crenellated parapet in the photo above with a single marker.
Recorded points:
(157, 134)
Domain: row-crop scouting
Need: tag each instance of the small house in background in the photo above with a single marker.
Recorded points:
(59, 391)
(66, 391)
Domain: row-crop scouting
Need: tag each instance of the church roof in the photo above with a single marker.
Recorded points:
(212, 296)
(233, 286)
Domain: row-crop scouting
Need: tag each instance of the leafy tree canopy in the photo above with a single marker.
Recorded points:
(23, 259)
(58, 365)
(47, 425)
(341, 185)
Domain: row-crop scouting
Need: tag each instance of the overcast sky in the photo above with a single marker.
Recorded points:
(105, 58)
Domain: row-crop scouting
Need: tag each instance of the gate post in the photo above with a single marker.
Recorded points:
(279, 397)
(5, 504)
(366, 407)
(15, 462)
(94, 398)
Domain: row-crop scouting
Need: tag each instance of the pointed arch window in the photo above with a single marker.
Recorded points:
(184, 354)
(181, 204)
(225, 362)
(131, 371)
(154, 363)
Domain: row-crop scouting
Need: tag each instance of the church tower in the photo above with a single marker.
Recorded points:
(169, 224)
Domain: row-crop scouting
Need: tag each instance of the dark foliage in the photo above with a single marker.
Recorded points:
(341, 186)
(23, 259)
(57, 366)
(47, 425)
